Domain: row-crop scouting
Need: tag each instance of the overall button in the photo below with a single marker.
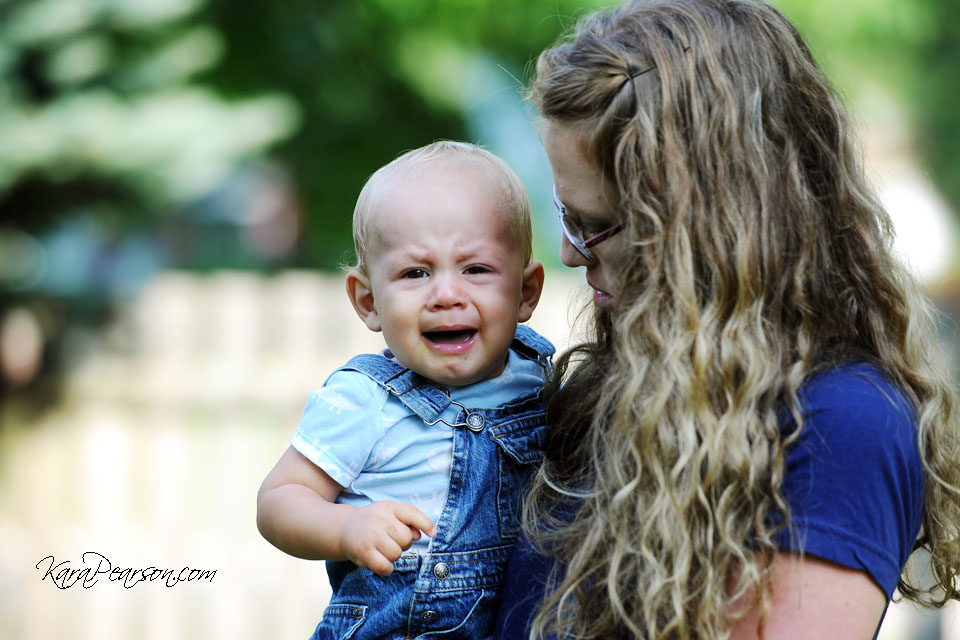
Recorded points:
(441, 570)
(475, 422)
(429, 616)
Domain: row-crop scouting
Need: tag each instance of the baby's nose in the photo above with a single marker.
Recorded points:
(447, 292)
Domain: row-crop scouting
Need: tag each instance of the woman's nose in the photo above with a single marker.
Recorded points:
(569, 254)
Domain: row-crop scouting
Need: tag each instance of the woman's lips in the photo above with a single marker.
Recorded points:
(601, 298)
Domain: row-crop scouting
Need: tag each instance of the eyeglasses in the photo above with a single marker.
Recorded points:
(573, 230)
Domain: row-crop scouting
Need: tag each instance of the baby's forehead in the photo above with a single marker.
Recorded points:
(446, 167)
(461, 173)
(467, 182)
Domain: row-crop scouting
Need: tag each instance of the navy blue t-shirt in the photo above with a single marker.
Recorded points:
(854, 483)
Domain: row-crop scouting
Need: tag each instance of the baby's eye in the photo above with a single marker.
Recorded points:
(477, 268)
(414, 273)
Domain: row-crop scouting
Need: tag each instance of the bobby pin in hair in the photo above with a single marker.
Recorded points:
(634, 71)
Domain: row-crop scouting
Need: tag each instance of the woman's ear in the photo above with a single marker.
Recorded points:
(530, 290)
(360, 292)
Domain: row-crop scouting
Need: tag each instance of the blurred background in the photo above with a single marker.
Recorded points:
(177, 179)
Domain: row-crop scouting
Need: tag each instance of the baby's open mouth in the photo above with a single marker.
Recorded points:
(453, 336)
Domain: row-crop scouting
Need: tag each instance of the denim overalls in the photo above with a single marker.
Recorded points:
(453, 590)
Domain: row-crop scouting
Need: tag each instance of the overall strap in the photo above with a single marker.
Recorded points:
(413, 390)
(533, 346)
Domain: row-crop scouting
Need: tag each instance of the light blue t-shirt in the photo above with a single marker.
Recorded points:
(377, 449)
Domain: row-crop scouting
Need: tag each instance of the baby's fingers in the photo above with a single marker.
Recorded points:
(376, 562)
(378, 554)
(410, 515)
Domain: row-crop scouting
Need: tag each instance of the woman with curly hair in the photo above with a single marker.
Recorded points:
(761, 429)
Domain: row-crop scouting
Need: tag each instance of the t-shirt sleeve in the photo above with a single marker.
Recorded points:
(854, 479)
(340, 424)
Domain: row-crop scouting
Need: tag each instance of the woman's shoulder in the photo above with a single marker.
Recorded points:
(856, 400)
(859, 434)
(854, 476)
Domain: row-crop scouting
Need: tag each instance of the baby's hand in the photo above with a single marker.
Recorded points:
(374, 536)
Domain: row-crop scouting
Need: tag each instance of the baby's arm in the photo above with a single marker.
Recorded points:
(296, 513)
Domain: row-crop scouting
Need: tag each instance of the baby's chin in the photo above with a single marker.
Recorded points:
(466, 380)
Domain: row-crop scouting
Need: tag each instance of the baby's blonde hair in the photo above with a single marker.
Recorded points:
(514, 198)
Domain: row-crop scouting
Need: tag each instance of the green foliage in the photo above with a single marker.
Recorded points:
(372, 79)
(100, 110)
(932, 87)
(139, 106)
(913, 50)
(859, 42)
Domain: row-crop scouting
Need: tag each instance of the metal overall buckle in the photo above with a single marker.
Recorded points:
(474, 421)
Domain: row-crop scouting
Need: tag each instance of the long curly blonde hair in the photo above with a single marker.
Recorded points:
(757, 255)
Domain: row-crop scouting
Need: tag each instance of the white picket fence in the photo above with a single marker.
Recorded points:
(153, 456)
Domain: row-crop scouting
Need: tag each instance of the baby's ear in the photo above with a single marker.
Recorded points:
(360, 292)
(530, 290)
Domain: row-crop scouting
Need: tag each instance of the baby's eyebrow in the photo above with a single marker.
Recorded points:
(467, 254)
(411, 254)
